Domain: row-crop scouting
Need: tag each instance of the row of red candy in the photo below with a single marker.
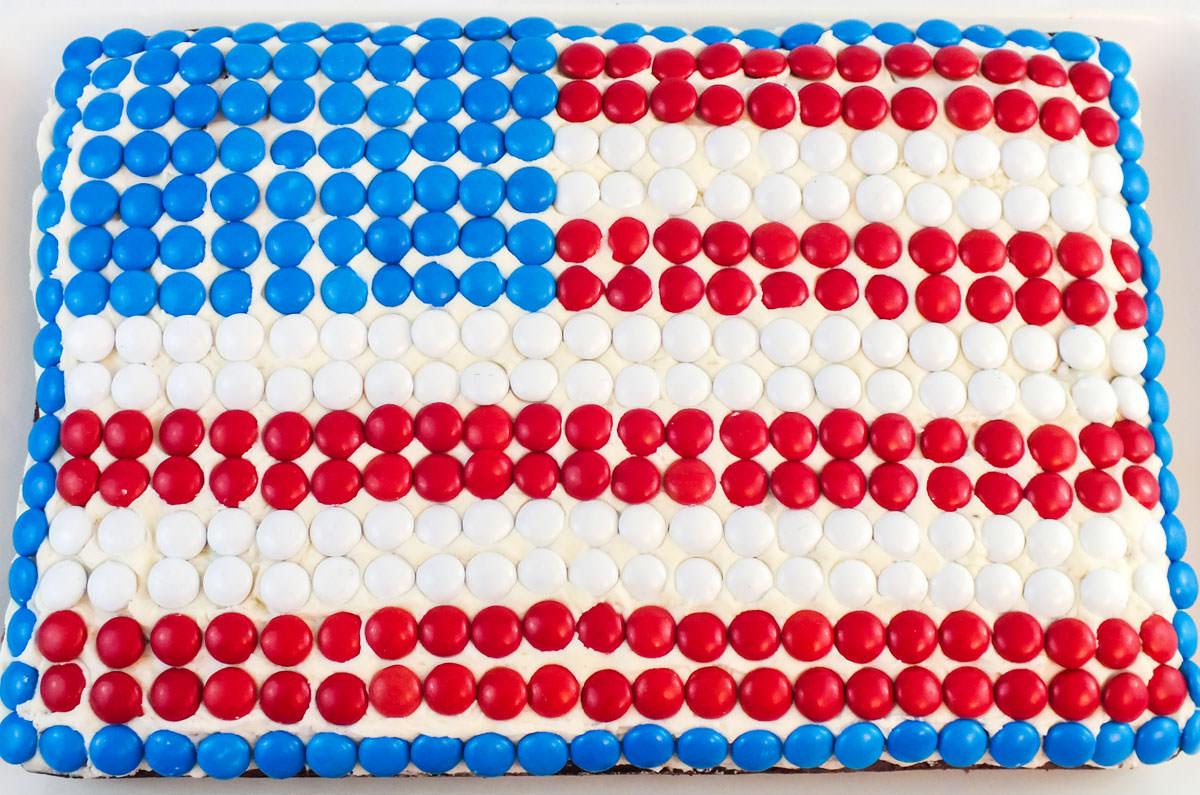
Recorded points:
(856, 64)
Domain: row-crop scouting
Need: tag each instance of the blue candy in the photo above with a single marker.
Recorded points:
(147, 154)
(342, 148)
(530, 189)
(1185, 631)
(90, 248)
(434, 234)
(244, 102)
(1157, 740)
(595, 751)
(1176, 536)
(701, 748)
(51, 390)
(133, 293)
(181, 294)
(212, 33)
(530, 241)
(482, 143)
(1114, 743)
(235, 244)
(81, 52)
(347, 32)
(18, 684)
(64, 125)
(439, 28)
(254, 33)
(331, 755)
(481, 192)
(668, 33)
(292, 101)
(183, 198)
(939, 32)
(343, 62)
(18, 739)
(481, 237)
(486, 100)
(295, 61)
(223, 755)
(756, 750)
(230, 293)
(170, 753)
(1189, 737)
(912, 741)
(489, 754)
(150, 107)
(383, 756)
(531, 27)
(300, 31)
(542, 753)
(233, 197)
(248, 61)
(47, 345)
(1015, 744)
(486, 58)
(435, 755)
(485, 28)
(47, 254)
(390, 193)
(1026, 37)
(123, 42)
(342, 194)
(193, 152)
(531, 287)
(287, 243)
(1069, 744)
(115, 750)
(391, 285)
(534, 96)
(289, 290)
(110, 74)
(341, 240)
(1114, 58)
(388, 149)
(70, 85)
(481, 284)
(342, 103)
(434, 284)
(50, 211)
(439, 99)
(63, 749)
(53, 169)
(1181, 577)
(390, 106)
(94, 202)
(388, 239)
(648, 746)
(1123, 98)
(20, 628)
(803, 33)
(962, 742)
(290, 195)
(809, 746)
(196, 106)
(893, 33)
(1136, 186)
(850, 31)
(985, 36)
(201, 63)
(1073, 46)
(293, 149)
(165, 40)
(343, 291)
(391, 64)
(48, 298)
(136, 248)
(859, 745)
(182, 247)
(534, 55)
(438, 59)
(528, 139)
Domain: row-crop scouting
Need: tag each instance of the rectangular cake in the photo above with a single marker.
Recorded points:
(503, 398)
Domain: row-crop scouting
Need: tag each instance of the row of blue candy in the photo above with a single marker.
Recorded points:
(118, 750)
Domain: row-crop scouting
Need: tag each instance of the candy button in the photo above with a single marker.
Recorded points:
(823, 149)
(622, 146)
(697, 580)
(672, 190)
(1049, 593)
(825, 197)
(852, 583)
(943, 393)
(576, 144)
(62, 585)
(735, 339)
(878, 198)
(672, 145)
(874, 152)
(727, 196)
(738, 386)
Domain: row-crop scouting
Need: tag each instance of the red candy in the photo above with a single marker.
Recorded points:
(725, 243)
(119, 642)
(127, 434)
(1015, 111)
(1002, 66)
(501, 694)
(859, 636)
(627, 59)
(1000, 443)
(718, 60)
(115, 697)
(689, 432)
(1017, 637)
(394, 691)
(963, 636)
(124, 480)
(764, 63)
(744, 433)
(765, 694)
(680, 288)
(81, 432)
(629, 290)
(917, 691)
(230, 638)
(673, 62)
(443, 630)
(578, 101)
(843, 433)
(606, 696)
(581, 60)
(878, 245)
(1159, 640)
(1102, 444)
(658, 693)
(1050, 494)
(869, 693)
(710, 692)
(1070, 642)
(342, 698)
(864, 107)
(886, 296)
(774, 244)
(286, 640)
(553, 691)
(948, 488)
(548, 625)
(967, 692)
(496, 631)
(230, 693)
(729, 291)
(1060, 118)
(720, 105)
(1125, 697)
(1117, 643)
(175, 639)
(820, 105)
(911, 636)
(641, 431)
(285, 696)
(1020, 694)
(391, 632)
(842, 483)
(807, 635)
(61, 687)
(771, 105)
(754, 635)
(943, 440)
(908, 60)
(449, 688)
(955, 62)
(701, 637)
(825, 245)
(1052, 447)
(1074, 694)
(61, 636)
(819, 694)
(179, 433)
(650, 631)
(578, 240)
(232, 433)
(858, 63)
(601, 628)
(969, 107)
(836, 290)
(913, 108)
(811, 62)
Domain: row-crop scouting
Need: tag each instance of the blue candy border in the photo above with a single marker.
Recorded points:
(118, 750)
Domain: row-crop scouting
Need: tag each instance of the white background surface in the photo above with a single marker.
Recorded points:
(1163, 36)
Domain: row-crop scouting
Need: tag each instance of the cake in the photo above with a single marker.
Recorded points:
(522, 399)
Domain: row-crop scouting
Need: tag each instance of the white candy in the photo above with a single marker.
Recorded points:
(173, 583)
(1049, 542)
(388, 525)
(336, 580)
(69, 531)
(1150, 583)
(998, 587)
(533, 380)
(1094, 398)
(1068, 163)
(672, 190)
(575, 144)
(825, 197)
(799, 579)
(284, 587)
(697, 581)
(588, 382)
(139, 339)
(89, 338)
(622, 190)
(636, 338)
(438, 525)
(337, 385)
(835, 338)
(1132, 401)
(928, 204)
(785, 341)
(738, 386)
(878, 198)
(933, 346)
(441, 577)
(798, 531)
(852, 583)
(186, 338)
(976, 156)
(389, 335)
(1073, 208)
(1153, 541)
(951, 535)
(334, 531)
(434, 333)
(748, 580)
(884, 342)
(642, 526)
(644, 577)
(231, 531)
(344, 336)
(295, 336)
(1034, 348)
(1113, 215)
(135, 386)
(227, 581)
(837, 386)
(621, 146)
(1103, 539)
(490, 576)
(889, 390)
(281, 535)
(542, 571)
(484, 332)
(1105, 593)
(728, 195)
(593, 571)
(387, 382)
(686, 384)
(388, 577)
(536, 335)
(593, 522)
(778, 197)
(540, 521)
(735, 339)
(435, 382)
(1003, 538)
(874, 152)
(904, 583)
(1026, 208)
(672, 145)
(943, 393)
(1049, 593)
(725, 147)
(289, 389)
(790, 389)
(749, 531)
(848, 529)
(952, 588)
(778, 149)
(897, 534)
(984, 345)
(697, 529)
(979, 207)
(486, 522)
(1081, 347)
(993, 392)
(1105, 171)
(87, 385)
(686, 337)
(239, 385)
(1022, 159)
(822, 149)
(925, 153)
(62, 585)
(587, 335)
(484, 383)
(180, 534)
(1043, 396)
(121, 532)
(239, 337)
